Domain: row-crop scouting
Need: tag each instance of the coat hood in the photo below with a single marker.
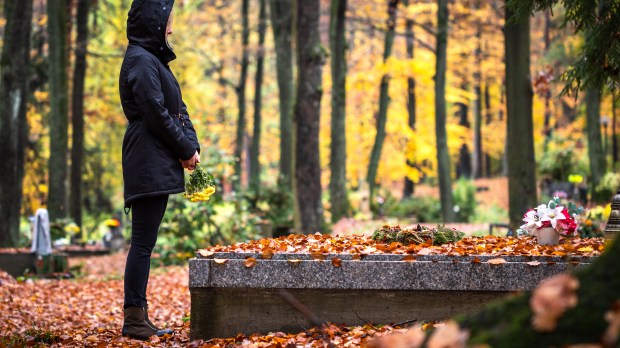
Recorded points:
(146, 27)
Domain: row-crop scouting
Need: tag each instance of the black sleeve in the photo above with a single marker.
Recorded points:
(146, 87)
(190, 132)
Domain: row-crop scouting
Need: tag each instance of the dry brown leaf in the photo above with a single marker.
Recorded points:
(294, 261)
(551, 299)
(497, 261)
(408, 258)
(220, 261)
(411, 338)
(425, 251)
(266, 254)
(337, 262)
(317, 256)
(448, 335)
(249, 262)
(206, 253)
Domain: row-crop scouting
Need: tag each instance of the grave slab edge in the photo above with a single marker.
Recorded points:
(373, 275)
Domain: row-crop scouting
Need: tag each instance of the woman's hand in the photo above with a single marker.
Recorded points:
(192, 162)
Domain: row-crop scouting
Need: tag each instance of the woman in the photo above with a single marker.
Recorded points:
(159, 142)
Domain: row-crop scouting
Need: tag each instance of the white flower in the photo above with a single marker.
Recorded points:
(553, 215)
(532, 221)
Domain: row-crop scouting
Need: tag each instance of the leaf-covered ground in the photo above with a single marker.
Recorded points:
(87, 312)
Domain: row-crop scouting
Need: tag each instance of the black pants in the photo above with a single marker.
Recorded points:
(147, 214)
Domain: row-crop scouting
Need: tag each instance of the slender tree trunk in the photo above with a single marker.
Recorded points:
(260, 62)
(14, 69)
(463, 167)
(384, 101)
(310, 59)
(443, 157)
(614, 135)
(520, 134)
(489, 118)
(409, 187)
(58, 119)
(338, 156)
(500, 116)
(547, 129)
(282, 24)
(477, 155)
(77, 149)
(240, 139)
(595, 148)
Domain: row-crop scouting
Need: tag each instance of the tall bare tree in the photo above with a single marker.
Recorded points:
(282, 24)
(58, 118)
(595, 148)
(14, 70)
(443, 157)
(260, 62)
(477, 154)
(338, 156)
(310, 60)
(384, 100)
(241, 122)
(520, 133)
(77, 110)
(409, 187)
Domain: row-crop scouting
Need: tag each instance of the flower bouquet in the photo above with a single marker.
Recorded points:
(548, 221)
(200, 186)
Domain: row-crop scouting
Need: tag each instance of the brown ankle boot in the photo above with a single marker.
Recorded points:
(160, 332)
(136, 324)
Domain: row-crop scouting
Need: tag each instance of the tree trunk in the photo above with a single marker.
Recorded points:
(282, 24)
(240, 137)
(338, 157)
(310, 59)
(614, 135)
(58, 118)
(409, 187)
(595, 148)
(477, 155)
(500, 116)
(547, 129)
(260, 62)
(14, 69)
(77, 114)
(508, 323)
(463, 167)
(520, 136)
(443, 157)
(384, 101)
(489, 118)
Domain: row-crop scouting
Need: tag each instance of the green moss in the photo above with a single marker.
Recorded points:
(417, 235)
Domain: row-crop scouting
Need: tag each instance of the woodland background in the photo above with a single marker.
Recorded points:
(352, 89)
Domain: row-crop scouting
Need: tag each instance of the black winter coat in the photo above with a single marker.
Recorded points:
(160, 132)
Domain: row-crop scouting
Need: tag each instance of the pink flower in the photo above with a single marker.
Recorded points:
(566, 226)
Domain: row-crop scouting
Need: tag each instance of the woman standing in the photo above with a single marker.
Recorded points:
(159, 142)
